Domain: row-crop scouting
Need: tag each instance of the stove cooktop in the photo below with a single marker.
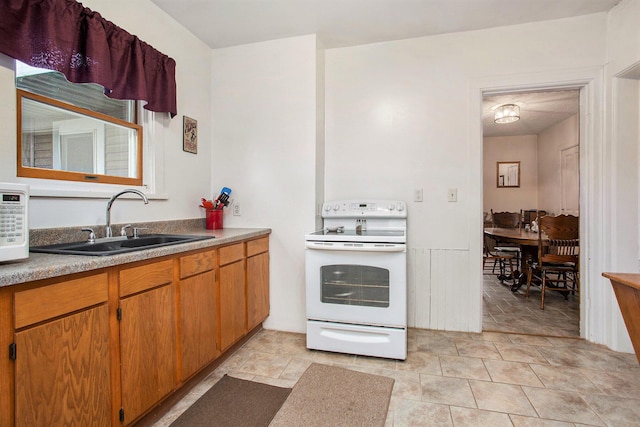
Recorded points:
(368, 233)
(381, 236)
(362, 220)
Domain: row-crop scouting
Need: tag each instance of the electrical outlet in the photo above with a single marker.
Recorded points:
(452, 195)
(417, 195)
(236, 209)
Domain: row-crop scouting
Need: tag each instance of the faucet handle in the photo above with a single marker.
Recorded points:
(135, 231)
(123, 230)
(92, 235)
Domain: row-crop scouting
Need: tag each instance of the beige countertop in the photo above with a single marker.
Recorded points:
(44, 266)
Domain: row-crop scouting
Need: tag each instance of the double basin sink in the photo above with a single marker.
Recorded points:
(118, 245)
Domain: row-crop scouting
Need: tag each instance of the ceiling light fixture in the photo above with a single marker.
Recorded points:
(507, 113)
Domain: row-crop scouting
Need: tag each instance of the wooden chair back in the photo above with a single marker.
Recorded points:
(505, 219)
(531, 215)
(563, 234)
(489, 245)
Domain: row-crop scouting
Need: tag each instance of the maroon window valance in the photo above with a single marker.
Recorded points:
(65, 36)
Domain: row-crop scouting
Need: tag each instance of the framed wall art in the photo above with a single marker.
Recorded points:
(190, 135)
(508, 174)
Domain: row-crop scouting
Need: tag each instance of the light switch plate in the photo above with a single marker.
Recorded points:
(417, 195)
(236, 209)
(452, 195)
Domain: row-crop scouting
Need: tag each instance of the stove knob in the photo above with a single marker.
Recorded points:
(392, 207)
(327, 208)
(400, 207)
(336, 207)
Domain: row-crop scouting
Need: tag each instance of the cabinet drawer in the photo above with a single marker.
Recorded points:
(138, 279)
(232, 253)
(257, 246)
(197, 263)
(36, 305)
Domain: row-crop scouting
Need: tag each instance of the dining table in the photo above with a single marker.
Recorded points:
(527, 240)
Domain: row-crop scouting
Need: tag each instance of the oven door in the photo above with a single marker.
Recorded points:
(357, 283)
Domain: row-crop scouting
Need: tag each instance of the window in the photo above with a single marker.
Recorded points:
(74, 132)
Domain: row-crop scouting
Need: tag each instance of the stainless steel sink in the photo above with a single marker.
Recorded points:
(114, 246)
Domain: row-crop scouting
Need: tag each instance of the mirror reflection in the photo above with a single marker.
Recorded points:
(56, 136)
(508, 174)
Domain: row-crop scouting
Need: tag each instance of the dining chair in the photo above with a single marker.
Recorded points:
(500, 259)
(507, 220)
(557, 266)
(529, 215)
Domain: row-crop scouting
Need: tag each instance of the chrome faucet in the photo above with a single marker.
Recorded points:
(108, 232)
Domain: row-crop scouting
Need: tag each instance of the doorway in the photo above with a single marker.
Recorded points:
(545, 140)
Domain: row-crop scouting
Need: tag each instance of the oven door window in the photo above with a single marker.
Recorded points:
(361, 285)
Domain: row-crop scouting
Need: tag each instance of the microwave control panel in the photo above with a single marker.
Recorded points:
(14, 221)
(13, 218)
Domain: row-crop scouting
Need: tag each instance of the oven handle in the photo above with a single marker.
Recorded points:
(359, 247)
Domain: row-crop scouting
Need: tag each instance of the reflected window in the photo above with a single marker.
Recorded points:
(508, 174)
(74, 132)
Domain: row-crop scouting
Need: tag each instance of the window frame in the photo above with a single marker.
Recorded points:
(52, 174)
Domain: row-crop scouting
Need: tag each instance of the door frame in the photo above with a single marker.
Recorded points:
(590, 83)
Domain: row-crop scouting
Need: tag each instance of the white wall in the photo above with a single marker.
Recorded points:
(267, 144)
(187, 177)
(523, 148)
(400, 115)
(404, 115)
(621, 215)
(551, 142)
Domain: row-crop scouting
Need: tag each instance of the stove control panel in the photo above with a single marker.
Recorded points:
(364, 208)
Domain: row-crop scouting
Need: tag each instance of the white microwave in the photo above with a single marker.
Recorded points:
(14, 221)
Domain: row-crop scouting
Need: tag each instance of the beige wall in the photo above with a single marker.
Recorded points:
(540, 168)
(523, 149)
(551, 142)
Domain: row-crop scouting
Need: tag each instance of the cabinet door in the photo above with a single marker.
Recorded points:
(147, 346)
(257, 289)
(232, 303)
(62, 371)
(198, 321)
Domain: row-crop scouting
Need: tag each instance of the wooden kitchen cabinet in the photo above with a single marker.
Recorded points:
(61, 354)
(232, 295)
(257, 281)
(147, 336)
(198, 312)
(104, 348)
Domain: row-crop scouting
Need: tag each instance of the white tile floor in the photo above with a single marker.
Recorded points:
(462, 379)
(505, 377)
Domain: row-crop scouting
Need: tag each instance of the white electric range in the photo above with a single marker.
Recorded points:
(356, 286)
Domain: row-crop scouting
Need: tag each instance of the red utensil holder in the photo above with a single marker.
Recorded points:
(214, 219)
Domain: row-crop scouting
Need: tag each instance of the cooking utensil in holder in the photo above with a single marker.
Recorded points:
(223, 199)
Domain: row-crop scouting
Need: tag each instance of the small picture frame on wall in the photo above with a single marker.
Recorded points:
(190, 135)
